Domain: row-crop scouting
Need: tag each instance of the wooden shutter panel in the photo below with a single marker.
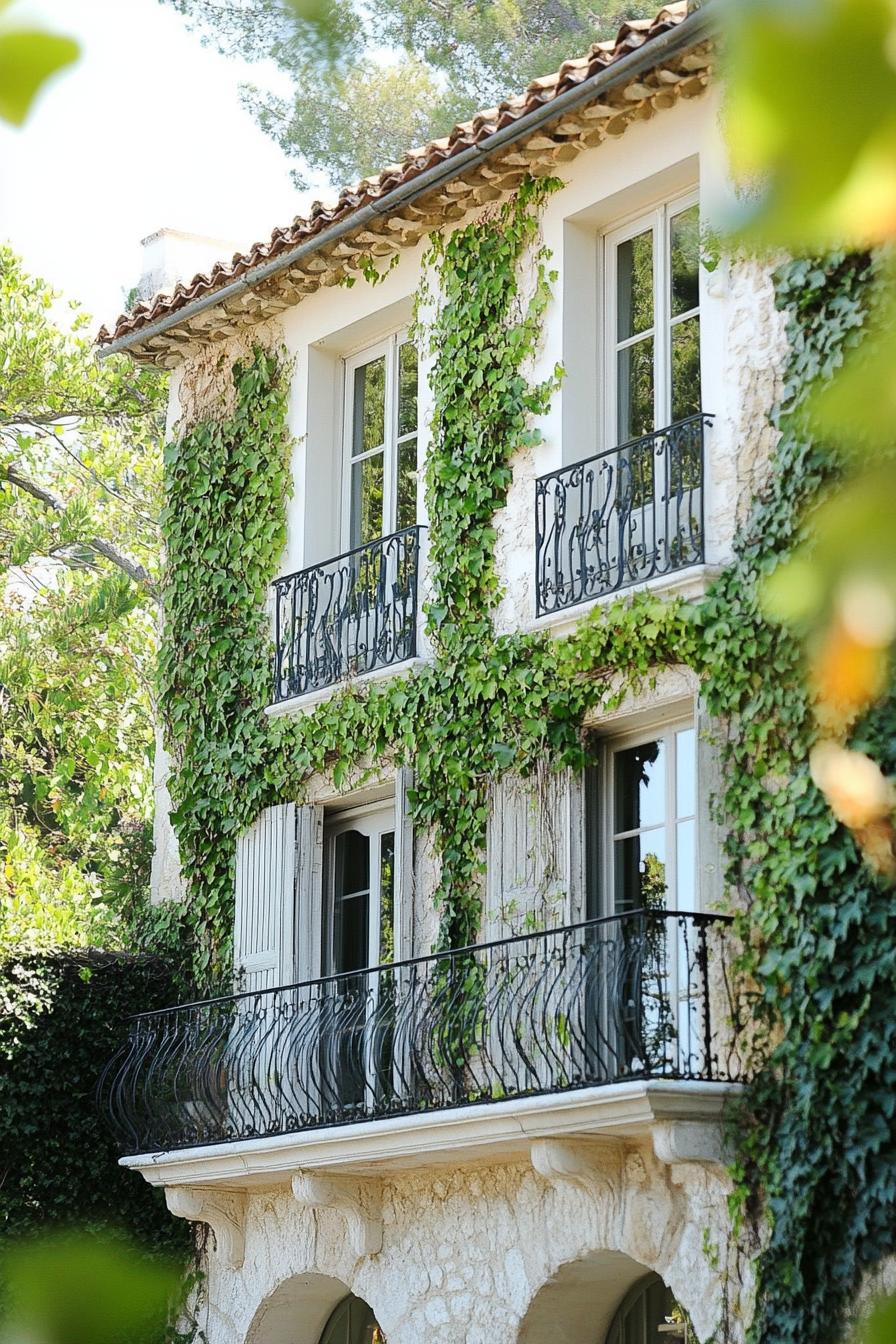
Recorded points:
(264, 938)
(404, 868)
(535, 868)
(309, 851)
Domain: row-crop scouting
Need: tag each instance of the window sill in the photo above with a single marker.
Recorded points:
(303, 704)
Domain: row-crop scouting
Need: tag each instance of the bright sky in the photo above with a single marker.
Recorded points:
(147, 131)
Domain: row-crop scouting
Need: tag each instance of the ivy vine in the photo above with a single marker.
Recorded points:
(816, 1152)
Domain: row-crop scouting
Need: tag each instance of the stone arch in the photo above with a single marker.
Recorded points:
(578, 1303)
(297, 1310)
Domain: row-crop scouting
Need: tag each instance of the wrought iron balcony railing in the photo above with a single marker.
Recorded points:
(627, 515)
(640, 996)
(349, 615)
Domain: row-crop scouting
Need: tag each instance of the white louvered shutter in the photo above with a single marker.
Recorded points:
(309, 851)
(264, 940)
(535, 883)
(535, 853)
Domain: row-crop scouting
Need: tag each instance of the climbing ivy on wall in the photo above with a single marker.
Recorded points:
(817, 1152)
(816, 1157)
(227, 482)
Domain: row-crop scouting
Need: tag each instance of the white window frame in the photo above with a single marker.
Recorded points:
(659, 220)
(666, 731)
(383, 817)
(389, 346)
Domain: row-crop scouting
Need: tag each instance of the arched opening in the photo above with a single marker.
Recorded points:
(604, 1298)
(352, 1322)
(311, 1309)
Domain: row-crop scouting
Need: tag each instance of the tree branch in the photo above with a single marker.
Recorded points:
(135, 571)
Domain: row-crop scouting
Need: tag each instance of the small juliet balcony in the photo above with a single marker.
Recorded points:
(622, 517)
(603, 1027)
(346, 617)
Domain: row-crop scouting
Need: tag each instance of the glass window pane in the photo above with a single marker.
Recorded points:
(634, 390)
(634, 285)
(640, 786)
(686, 865)
(351, 901)
(686, 368)
(686, 772)
(406, 505)
(367, 500)
(407, 389)
(685, 260)
(387, 897)
(640, 872)
(369, 409)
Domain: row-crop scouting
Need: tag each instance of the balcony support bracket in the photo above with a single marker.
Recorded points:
(357, 1200)
(222, 1210)
(689, 1141)
(594, 1168)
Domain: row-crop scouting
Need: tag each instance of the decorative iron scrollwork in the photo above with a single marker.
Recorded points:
(627, 515)
(635, 996)
(352, 614)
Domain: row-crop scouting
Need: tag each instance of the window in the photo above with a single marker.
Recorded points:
(352, 1322)
(381, 441)
(652, 269)
(646, 830)
(358, 933)
(649, 1314)
(359, 923)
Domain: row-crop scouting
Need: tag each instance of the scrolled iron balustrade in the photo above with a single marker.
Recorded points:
(639, 996)
(353, 614)
(624, 516)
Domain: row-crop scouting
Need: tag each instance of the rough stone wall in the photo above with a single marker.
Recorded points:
(166, 880)
(205, 388)
(755, 355)
(467, 1252)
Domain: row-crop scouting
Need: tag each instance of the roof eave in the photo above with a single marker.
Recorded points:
(692, 30)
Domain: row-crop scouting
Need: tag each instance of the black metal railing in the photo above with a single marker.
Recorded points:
(627, 515)
(639, 996)
(349, 615)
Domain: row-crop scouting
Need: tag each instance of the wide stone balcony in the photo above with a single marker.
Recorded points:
(348, 616)
(624, 1026)
(623, 517)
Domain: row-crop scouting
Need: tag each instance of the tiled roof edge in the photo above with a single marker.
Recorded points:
(672, 31)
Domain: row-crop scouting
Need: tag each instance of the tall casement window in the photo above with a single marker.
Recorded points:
(380, 440)
(642, 840)
(359, 865)
(358, 933)
(644, 828)
(652, 336)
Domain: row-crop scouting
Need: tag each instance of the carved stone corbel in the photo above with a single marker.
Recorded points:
(689, 1141)
(223, 1211)
(562, 1162)
(357, 1200)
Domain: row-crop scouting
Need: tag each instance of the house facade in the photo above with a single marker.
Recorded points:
(393, 1133)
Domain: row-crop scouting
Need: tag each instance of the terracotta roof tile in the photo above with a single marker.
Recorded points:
(631, 35)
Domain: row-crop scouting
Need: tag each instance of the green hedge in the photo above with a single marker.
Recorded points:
(61, 1019)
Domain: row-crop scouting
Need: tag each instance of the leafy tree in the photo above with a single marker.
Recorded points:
(80, 463)
(372, 82)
